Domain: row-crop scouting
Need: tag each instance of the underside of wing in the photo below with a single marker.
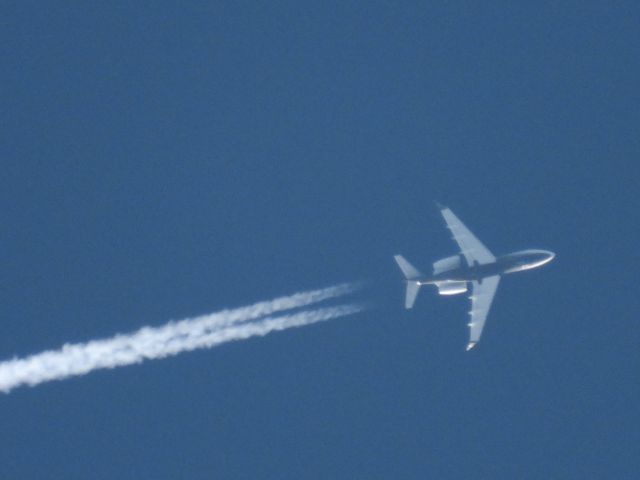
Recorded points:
(472, 248)
(481, 298)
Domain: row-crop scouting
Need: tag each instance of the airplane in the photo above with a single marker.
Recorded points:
(475, 265)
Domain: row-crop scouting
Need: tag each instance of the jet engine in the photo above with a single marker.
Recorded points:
(451, 288)
(446, 264)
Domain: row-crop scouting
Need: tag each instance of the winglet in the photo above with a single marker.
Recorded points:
(471, 345)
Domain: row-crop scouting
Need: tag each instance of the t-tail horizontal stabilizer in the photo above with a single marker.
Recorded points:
(412, 293)
(411, 274)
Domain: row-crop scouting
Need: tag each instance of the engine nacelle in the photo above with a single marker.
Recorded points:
(451, 288)
(446, 264)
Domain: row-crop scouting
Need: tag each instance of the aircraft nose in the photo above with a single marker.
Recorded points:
(541, 257)
(548, 255)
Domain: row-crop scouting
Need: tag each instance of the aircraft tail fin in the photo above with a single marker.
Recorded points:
(411, 274)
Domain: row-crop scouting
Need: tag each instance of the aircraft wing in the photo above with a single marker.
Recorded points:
(472, 248)
(481, 298)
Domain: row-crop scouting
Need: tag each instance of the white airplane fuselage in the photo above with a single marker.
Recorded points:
(510, 263)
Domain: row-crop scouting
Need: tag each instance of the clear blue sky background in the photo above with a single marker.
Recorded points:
(169, 159)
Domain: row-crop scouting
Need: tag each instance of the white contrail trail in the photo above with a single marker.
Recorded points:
(173, 338)
(247, 330)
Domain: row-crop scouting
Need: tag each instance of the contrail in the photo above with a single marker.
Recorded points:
(174, 337)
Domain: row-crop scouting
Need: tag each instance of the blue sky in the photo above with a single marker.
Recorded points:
(171, 160)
